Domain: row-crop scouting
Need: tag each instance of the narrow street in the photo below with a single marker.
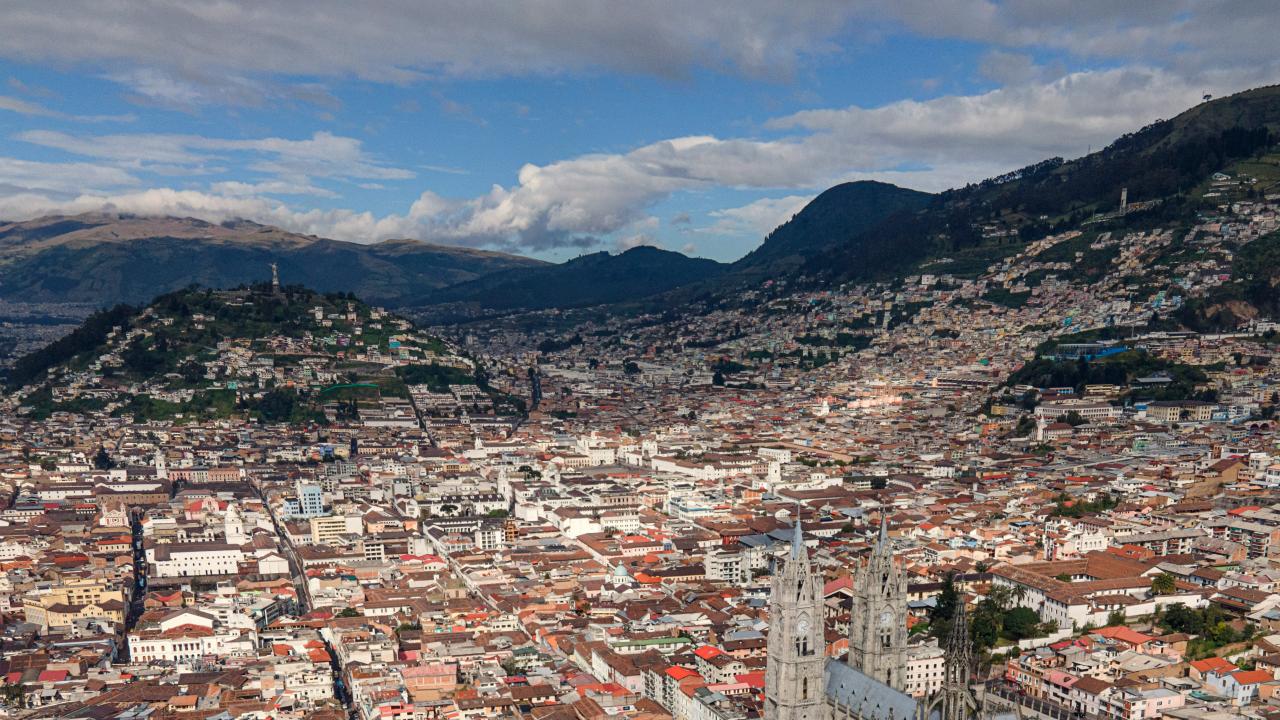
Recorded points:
(138, 593)
(296, 573)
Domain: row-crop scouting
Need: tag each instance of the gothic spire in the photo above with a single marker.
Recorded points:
(959, 649)
(794, 673)
(882, 552)
(797, 537)
(878, 615)
(957, 699)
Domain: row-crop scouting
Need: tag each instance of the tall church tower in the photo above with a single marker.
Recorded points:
(795, 673)
(957, 698)
(878, 622)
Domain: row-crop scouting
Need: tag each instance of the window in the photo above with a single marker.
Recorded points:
(802, 647)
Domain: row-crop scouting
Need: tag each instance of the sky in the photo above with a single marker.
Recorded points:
(552, 128)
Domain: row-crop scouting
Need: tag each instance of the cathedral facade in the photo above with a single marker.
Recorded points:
(801, 683)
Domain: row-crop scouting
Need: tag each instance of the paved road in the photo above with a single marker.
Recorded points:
(137, 597)
(296, 574)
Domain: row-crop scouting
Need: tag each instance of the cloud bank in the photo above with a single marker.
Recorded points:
(929, 145)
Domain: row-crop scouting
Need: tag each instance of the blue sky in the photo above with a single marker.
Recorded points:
(572, 126)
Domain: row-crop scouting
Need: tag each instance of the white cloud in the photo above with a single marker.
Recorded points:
(756, 219)
(30, 90)
(634, 241)
(322, 155)
(60, 178)
(585, 200)
(166, 51)
(1188, 35)
(1012, 125)
(272, 187)
(340, 224)
(244, 51)
(1014, 68)
(24, 107)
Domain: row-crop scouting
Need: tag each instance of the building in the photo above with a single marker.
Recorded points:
(195, 559)
(802, 684)
(878, 621)
(308, 502)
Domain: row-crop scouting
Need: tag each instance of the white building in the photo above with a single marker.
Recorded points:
(194, 559)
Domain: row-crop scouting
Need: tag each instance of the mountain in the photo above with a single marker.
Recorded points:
(291, 354)
(106, 259)
(595, 279)
(1165, 168)
(834, 218)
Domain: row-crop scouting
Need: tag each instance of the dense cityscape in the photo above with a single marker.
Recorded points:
(1003, 492)
(565, 360)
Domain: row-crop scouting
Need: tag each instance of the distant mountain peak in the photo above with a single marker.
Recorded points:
(593, 279)
(107, 258)
(836, 216)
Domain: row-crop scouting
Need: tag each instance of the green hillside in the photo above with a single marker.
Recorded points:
(1162, 166)
(289, 355)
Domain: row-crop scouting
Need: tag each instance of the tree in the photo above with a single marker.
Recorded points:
(448, 509)
(1074, 418)
(103, 461)
(1001, 597)
(1180, 618)
(985, 630)
(717, 379)
(349, 612)
(192, 371)
(277, 405)
(944, 608)
(1116, 617)
(1163, 584)
(1021, 623)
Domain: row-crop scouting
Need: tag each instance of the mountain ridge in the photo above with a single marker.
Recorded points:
(592, 279)
(1159, 165)
(95, 258)
(852, 231)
